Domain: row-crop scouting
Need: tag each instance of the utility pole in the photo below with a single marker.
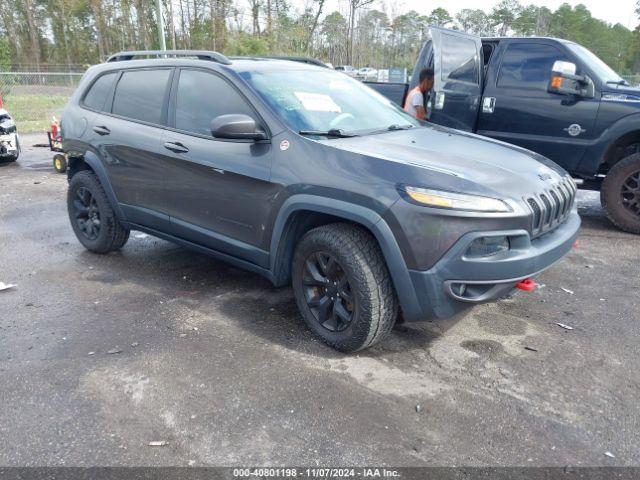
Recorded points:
(163, 45)
(173, 26)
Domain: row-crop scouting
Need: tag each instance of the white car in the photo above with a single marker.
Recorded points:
(9, 140)
(347, 70)
(367, 74)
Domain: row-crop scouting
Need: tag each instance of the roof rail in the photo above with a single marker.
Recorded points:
(199, 54)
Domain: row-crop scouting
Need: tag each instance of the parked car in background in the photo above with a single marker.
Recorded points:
(346, 69)
(551, 96)
(309, 178)
(9, 139)
(367, 74)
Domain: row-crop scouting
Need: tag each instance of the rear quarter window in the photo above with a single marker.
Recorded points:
(96, 96)
(140, 95)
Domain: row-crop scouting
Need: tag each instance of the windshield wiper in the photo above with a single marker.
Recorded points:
(332, 132)
(399, 127)
(391, 128)
(622, 82)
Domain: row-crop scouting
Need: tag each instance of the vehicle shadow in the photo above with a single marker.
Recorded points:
(273, 315)
(242, 299)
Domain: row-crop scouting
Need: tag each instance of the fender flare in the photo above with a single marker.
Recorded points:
(94, 162)
(595, 155)
(364, 216)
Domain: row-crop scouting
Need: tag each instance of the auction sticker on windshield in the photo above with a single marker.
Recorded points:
(317, 102)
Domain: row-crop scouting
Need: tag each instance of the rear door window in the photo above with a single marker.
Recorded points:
(96, 97)
(140, 95)
(459, 59)
(201, 96)
(528, 65)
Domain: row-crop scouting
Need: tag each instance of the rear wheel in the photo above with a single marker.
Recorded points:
(620, 194)
(92, 218)
(343, 288)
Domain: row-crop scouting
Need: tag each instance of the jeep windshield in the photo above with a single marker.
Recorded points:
(323, 102)
(603, 71)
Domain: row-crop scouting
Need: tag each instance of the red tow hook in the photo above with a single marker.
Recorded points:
(576, 244)
(528, 285)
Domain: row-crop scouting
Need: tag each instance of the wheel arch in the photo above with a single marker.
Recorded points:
(610, 147)
(301, 213)
(90, 161)
(624, 145)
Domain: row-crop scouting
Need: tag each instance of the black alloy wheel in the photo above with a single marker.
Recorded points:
(327, 291)
(87, 214)
(630, 193)
(342, 286)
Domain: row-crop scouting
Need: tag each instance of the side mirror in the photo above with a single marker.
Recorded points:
(236, 126)
(564, 80)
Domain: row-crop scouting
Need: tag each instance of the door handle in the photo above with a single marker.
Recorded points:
(176, 147)
(488, 104)
(101, 130)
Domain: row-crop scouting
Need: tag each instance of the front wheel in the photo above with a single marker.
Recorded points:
(343, 288)
(620, 194)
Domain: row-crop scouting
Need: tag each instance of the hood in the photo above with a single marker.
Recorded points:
(495, 166)
(621, 93)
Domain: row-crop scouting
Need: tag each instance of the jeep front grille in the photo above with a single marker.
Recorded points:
(551, 207)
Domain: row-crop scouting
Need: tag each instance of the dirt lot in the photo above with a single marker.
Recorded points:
(217, 362)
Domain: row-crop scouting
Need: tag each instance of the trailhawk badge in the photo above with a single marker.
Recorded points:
(574, 130)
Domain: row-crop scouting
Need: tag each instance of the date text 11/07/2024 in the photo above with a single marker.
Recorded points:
(316, 472)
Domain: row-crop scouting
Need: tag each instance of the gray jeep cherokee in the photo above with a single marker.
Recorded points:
(308, 177)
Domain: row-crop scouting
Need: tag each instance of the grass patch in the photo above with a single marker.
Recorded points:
(32, 112)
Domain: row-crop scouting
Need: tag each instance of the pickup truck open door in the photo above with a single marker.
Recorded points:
(457, 62)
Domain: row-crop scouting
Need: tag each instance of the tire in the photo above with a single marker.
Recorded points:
(620, 194)
(92, 217)
(339, 269)
(60, 163)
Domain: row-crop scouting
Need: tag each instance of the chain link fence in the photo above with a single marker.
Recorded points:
(634, 80)
(34, 97)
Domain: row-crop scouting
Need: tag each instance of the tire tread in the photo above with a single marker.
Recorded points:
(372, 277)
(609, 195)
(116, 235)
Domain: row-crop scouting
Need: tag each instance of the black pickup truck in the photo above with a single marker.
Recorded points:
(551, 96)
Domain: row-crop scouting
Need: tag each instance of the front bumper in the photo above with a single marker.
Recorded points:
(456, 283)
(8, 145)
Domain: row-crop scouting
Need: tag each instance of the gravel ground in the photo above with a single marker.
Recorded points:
(217, 362)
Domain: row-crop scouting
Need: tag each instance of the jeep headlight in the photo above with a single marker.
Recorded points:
(456, 201)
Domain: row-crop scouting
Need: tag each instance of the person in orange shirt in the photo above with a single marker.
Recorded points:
(414, 104)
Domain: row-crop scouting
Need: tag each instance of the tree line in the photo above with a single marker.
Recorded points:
(55, 33)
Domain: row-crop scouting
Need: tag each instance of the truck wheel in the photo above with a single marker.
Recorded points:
(343, 288)
(92, 218)
(620, 194)
(60, 163)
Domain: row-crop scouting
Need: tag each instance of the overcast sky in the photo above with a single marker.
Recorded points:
(612, 11)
